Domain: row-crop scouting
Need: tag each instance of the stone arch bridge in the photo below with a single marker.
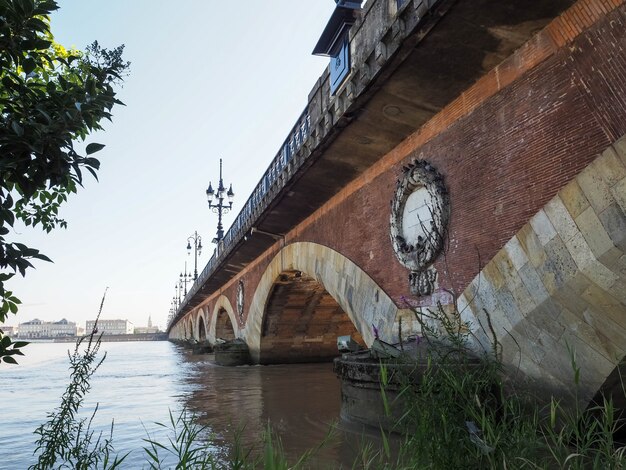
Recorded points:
(473, 153)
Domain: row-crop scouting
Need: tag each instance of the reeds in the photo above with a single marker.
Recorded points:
(461, 415)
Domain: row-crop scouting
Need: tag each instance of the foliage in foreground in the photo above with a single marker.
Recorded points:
(189, 446)
(50, 98)
(65, 441)
(463, 416)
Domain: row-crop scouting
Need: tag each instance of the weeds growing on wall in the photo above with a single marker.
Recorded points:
(461, 415)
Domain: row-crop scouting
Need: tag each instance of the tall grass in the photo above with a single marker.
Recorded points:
(66, 440)
(461, 415)
(189, 446)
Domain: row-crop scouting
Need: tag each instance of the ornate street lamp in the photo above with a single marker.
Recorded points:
(216, 199)
(186, 277)
(178, 290)
(197, 249)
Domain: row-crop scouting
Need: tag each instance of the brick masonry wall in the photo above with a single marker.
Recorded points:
(559, 285)
(502, 162)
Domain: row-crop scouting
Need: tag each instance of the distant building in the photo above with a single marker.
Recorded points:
(9, 330)
(44, 329)
(111, 327)
(146, 329)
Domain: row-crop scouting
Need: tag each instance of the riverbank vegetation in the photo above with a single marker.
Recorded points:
(463, 414)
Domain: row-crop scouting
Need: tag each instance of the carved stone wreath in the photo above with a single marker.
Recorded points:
(420, 211)
(240, 299)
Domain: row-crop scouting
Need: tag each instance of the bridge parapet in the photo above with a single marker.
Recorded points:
(277, 174)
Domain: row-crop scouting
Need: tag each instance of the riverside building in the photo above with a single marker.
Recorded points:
(111, 327)
(43, 329)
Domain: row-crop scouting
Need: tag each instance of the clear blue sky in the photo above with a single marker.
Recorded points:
(209, 79)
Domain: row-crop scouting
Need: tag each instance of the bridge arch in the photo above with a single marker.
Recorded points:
(356, 293)
(191, 329)
(201, 323)
(223, 321)
(302, 321)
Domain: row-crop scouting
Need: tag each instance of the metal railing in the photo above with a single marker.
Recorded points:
(277, 174)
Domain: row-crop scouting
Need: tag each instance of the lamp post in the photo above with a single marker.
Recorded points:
(178, 288)
(185, 278)
(170, 317)
(216, 203)
(197, 249)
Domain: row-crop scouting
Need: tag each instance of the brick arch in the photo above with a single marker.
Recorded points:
(302, 321)
(191, 329)
(222, 307)
(201, 325)
(354, 291)
(202, 313)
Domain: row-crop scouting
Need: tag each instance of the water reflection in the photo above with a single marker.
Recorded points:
(300, 401)
(139, 383)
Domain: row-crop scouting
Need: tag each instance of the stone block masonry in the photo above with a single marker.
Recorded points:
(571, 301)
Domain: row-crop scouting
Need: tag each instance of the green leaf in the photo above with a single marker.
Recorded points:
(20, 344)
(9, 359)
(19, 130)
(93, 148)
(8, 83)
(45, 115)
(42, 257)
(92, 162)
(29, 65)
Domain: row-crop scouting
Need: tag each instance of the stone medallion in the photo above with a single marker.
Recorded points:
(420, 211)
(240, 299)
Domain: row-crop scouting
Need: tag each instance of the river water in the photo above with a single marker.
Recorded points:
(140, 382)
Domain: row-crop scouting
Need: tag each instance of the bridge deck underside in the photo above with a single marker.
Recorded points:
(468, 41)
(302, 322)
(223, 327)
